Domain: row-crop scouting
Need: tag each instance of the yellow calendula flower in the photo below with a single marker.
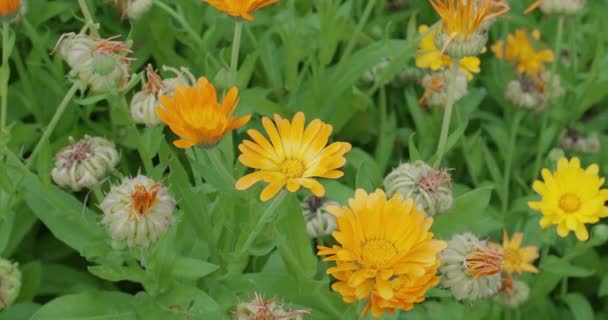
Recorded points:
(240, 8)
(294, 156)
(385, 253)
(517, 259)
(196, 116)
(571, 197)
(521, 52)
(429, 56)
(464, 24)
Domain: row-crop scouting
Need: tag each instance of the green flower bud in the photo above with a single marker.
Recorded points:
(431, 189)
(460, 47)
(319, 222)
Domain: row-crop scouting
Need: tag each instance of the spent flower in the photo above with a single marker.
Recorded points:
(295, 155)
(534, 94)
(513, 293)
(565, 7)
(271, 309)
(10, 283)
(469, 268)
(84, 163)
(571, 197)
(319, 222)
(132, 9)
(575, 141)
(138, 210)
(436, 88)
(385, 252)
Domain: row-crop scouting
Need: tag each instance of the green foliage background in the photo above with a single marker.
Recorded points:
(304, 55)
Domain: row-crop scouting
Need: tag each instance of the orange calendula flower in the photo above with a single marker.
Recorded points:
(571, 197)
(293, 157)
(9, 8)
(517, 259)
(196, 116)
(240, 8)
(429, 56)
(521, 52)
(385, 252)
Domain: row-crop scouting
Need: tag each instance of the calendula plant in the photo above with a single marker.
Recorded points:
(309, 159)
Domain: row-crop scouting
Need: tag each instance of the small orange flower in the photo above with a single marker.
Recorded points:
(461, 18)
(196, 116)
(9, 7)
(240, 8)
(519, 50)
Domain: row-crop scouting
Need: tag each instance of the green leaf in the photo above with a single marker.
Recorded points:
(31, 275)
(579, 306)
(88, 306)
(192, 269)
(294, 245)
(368, 176)
(563, 268)
(467, 215)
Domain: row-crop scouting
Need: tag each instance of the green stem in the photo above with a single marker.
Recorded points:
(5, 75)
(51, 127)
(216, 159)
(266, 217)
(179, 18)
(362, 21)
(447, 115)
(543, 127)
(236, 46)
(509, 159)
(88, 18)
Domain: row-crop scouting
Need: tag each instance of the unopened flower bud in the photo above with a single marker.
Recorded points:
(436, 88)
(430, 188)
(271, 309)
(137, 211)
(469, 269)
(566, 7)
(84, 163)
(319, 222)
(512, 293)
(10, 283)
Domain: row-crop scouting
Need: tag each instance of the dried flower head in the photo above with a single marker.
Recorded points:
(84, 163)
(429, 56)
(132, 9)
(271, 309)
(240, 8)
(464, 24)
(319, 222)
(385, 252)
(436, 91)
(513, 293)
(469, 268)
(100, 64)
(534, 94)
(576, 141)
(144, 103)
(571, 197)
(196, 116)
(295, 155)
(10, 283)
(431, 189)
(137, 211)
(566, 7)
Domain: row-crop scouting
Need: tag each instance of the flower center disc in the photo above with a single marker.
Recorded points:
(292, 168)
(142, 200)
(569, 202)
(378, 252)
(512, 258)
